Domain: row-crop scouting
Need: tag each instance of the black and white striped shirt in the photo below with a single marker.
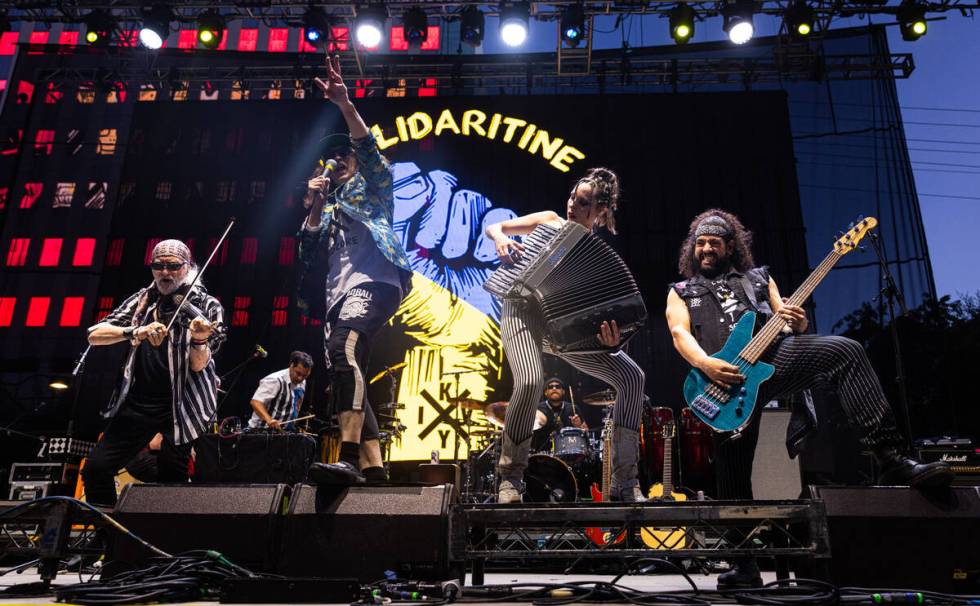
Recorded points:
(195, 394)
(279, 396)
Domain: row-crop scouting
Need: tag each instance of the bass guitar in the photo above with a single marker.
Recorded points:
(730, 409)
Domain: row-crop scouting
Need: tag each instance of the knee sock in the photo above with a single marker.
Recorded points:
(350, 453)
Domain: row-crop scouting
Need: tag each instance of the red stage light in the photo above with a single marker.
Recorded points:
(71, 312)
(84, 252)
(37, 311)
(17, 253)
(50, 252)
(7, 305)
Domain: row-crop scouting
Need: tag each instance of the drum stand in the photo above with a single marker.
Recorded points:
(394, 423)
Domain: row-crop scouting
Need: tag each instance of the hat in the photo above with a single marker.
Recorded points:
(554, 380)
(334, 141)
(172, 248)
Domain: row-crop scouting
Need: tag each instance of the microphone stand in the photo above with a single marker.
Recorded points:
(892, 294)
(76, 380)
(254, 356)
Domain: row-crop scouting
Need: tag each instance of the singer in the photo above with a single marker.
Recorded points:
(354, 276)
(168, 383)
(279, 398)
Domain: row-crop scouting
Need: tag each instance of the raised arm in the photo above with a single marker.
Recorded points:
(507, 249)
(335, 90)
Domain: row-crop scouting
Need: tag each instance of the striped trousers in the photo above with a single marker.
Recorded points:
(802, 361)
(522, 332)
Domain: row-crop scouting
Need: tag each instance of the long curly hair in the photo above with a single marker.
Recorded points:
(740, 243)
(605, 192)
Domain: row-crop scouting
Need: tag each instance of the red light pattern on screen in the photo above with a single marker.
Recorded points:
(280, 306)
(17, 253)
(248, 39)
(37, 311)
(84, 252)
(50, 252)
(287, 250)
(7, 305)
(71, 311)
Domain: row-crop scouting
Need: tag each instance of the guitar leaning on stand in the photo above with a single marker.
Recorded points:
(603, 536)
(673, 538)
(731, 409)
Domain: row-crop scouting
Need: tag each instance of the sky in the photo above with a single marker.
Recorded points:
(944, 89)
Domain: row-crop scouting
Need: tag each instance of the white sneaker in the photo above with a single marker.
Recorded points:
(508, 492)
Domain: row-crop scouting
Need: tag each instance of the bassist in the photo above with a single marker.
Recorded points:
(722, 283)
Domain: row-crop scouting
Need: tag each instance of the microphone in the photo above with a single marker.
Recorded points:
(260, 352)
(329, 167)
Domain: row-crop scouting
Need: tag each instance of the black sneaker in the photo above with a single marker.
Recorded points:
(743, 575)
(341, 472)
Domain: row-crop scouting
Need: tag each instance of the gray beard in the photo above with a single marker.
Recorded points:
(166, 288)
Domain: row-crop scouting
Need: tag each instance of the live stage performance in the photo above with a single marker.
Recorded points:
(292, 313)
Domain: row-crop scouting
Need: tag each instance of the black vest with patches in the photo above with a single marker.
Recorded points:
(709, 325)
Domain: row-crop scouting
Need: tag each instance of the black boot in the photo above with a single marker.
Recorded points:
(900, 470)
(743, 575)
(340, 473)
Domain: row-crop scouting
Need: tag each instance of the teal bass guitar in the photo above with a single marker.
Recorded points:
(731, 409)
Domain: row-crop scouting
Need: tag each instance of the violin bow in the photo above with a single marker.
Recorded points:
(201, 273)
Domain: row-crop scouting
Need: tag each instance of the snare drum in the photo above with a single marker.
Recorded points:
(549, 480)
(571, 445)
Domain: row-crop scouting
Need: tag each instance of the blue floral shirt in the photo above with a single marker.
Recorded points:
(368, 198)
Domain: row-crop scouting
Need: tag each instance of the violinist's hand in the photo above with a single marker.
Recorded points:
(201, 329)
(155, 332)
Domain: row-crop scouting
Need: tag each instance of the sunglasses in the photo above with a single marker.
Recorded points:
(158, 266)
(555, 386)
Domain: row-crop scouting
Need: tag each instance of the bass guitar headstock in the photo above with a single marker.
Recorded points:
(854, 235)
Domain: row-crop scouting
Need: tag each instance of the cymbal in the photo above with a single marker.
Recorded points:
(467, 403)
(606, 397)
(387, 370)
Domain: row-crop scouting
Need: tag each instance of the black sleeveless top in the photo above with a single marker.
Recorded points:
(717, 304)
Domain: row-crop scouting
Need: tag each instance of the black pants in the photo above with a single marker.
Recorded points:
(127, 434)
(352, 324)
(802, 361)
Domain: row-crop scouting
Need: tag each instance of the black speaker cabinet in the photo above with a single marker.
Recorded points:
(242, 521)
(266, 457)
(897, 537)
(363, 531)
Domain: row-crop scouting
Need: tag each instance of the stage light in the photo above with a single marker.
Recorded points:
(99, 27)
(416, 26)
(58, 385)
(682, 23)
(471, 26)
(799, 19)
(912, 20)
(210, 29)
(572, 24)
(156, 26)
(369, 26)
(738, 20)
(316, 26)
(514, 23)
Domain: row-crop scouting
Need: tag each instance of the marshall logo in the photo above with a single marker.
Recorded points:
(948, 458)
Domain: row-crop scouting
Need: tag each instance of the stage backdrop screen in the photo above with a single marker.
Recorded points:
(182, 169)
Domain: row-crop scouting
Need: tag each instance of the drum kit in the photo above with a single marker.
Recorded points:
(571, 461)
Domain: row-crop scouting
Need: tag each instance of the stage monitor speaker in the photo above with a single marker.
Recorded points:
(363, 531)
(242, 521)
(898, 537)
(775, 475)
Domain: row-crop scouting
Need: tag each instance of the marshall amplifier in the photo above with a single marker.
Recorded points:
(963, 460)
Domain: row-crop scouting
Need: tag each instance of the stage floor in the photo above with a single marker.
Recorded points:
(647, 583)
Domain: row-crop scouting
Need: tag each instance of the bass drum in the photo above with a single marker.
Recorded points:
(549, 480)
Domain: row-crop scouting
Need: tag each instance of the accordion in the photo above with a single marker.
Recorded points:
(578, 281)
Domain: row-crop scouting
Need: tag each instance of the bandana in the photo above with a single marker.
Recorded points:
(713, 226)
(172, 248)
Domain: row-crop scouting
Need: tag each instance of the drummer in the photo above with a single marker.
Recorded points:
(554, 414)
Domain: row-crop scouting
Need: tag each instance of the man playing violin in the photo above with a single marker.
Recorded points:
(168, 382)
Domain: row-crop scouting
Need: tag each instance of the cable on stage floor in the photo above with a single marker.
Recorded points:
(191, 576)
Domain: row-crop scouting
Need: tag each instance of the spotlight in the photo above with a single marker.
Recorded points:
(210, 29)
(156, 26)
(738, 20)
(573, 24)
(369, 26)
(912, 20)
(799, 19)
(58, 385)
(316, 26)
(681, 23)
(471, 26)
(513, 23)
(98, 28)
(416, 26)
